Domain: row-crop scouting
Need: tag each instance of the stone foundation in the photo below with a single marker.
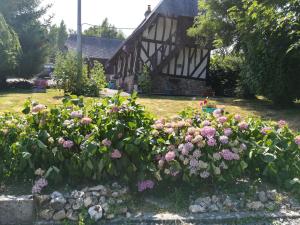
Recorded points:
(168, 85)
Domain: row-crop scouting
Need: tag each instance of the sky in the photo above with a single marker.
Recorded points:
(121, 13)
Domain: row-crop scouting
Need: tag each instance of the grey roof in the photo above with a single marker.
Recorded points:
(176, 8)
(187, 8)
(95, 47)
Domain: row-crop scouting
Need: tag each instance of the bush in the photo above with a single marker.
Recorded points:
(66, 76)
(144, 81)
(117, 139)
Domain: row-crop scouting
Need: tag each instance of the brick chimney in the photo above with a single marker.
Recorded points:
(147, 13)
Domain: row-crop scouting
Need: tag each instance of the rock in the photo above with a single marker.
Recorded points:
(46, 214)
(213, 208)
(197, 209)
(102, 200)
(57, 201)
(124, 191)
(257, 205)
(60, 215)
(71, 215)
(78, 204)
(262, 196)
(105, 207)
(86, 189)
(96, 194)
(88, 202)
(119, 201)
(215, 199)
(95, 212)
(110, 216)
(272, 195)
(123, 210)
(115, 194)
(42, 199)
(271, 206)
(99, 188)
(77, 194)
(128, 215)
(111, 201)
(115, 185)
(68, 206)
(228, 203)
(203, 201)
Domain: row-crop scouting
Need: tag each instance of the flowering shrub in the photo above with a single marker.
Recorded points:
(107, 139)
(115, 138)
(222, 147)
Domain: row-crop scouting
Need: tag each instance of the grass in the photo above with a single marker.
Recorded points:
(164, 106)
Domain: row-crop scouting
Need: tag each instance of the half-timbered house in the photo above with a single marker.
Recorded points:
(177, 65)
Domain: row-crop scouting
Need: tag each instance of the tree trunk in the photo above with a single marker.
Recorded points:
(3, 83)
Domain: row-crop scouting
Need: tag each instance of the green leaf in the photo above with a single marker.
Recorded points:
(41, 145)
(26, 155)
(89, 164)
(268, 157)
(243, 164)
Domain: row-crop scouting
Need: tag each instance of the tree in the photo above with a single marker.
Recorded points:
(105, 30)
(24, 17)
(266, 32)
(9, 50)
(57, 37)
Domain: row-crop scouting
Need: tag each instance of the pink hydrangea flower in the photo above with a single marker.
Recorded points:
(217, 113)
(144, 185)
(211, 142)
(68, 144)
(265, 130)
(116, 154)
(224, 139)
(76, 114)
(86, 120)
(191, 130)
(208, 131)
(206, 123)
(169, 130)
(194, 162)
(106, 142)
(297, 140)
(229, 155)
(188, 138)
(217, 156)
(222, 119)
(197, 154)
(197, 139)
(282, 123)
(38, 108)
(243, 147)
(171, 147)
(237, 117)
(204, 174)
(114, 109)
(170, 156)
(39, 185)
(227, 132)
(243, 125)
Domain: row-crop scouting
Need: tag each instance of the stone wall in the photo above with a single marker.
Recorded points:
(178, 86)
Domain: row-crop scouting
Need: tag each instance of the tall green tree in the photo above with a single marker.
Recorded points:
(24, 16)
(266, 32)
(57, 37)
(105, 30)
(9, 50)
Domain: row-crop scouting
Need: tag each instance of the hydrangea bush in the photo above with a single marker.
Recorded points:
(117, 139)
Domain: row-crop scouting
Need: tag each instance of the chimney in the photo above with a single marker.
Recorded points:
(147, 13)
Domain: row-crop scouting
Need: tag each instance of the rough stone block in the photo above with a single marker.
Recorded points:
(16, 210)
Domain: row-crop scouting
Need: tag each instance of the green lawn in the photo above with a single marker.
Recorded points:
(164, 106)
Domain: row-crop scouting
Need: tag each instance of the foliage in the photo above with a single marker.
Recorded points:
(9, 49)
(66, 76)
(266, 32)
(110, 140)
(144, 81)
(115, 138)
(105, 30)
(224, 72)
(57, 38)
(24, 17)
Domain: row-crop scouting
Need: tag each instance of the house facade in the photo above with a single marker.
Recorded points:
(177, 66)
